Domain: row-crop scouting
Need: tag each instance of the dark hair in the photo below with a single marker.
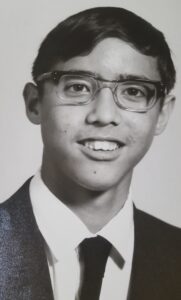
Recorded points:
(78, 35)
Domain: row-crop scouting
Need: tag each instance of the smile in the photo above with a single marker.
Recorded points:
(101, 148)
(101, 145)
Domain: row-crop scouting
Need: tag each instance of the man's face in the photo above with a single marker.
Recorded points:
(72, 134)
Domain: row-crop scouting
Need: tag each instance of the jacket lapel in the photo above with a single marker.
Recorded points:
(150, 269)
(25, 270)
(143, 266)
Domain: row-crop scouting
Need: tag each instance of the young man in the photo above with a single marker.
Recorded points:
(102, 92)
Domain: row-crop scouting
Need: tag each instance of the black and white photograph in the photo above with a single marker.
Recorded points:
(90, 173)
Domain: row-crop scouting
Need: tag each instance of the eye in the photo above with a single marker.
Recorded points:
(77, 88)
(135, 91)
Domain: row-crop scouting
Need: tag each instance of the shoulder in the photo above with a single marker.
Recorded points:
(151, 222)
(157, 233)
(18, 195)
(15, 209)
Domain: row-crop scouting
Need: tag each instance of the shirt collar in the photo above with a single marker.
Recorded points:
(60, 226)
(120, 230)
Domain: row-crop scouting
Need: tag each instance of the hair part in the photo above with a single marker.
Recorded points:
(80, 33)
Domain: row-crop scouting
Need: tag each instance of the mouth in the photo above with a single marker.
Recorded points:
(101, 148)
(98, 145)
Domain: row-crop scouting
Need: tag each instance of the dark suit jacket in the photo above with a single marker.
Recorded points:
(24, 275)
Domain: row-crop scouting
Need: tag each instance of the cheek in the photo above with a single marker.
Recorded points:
(56, 126)
(141, 130)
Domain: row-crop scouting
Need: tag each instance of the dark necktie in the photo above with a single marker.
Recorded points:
(93, 253)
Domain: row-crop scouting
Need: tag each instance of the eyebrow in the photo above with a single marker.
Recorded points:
(123, 76)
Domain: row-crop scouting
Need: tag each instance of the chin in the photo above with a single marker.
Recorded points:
(98, 184)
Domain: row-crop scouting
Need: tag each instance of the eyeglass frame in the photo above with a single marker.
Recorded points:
(55, 75)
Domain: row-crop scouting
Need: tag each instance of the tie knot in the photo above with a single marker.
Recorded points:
(94, 251)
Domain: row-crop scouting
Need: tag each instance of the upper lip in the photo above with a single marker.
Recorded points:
(101, 138)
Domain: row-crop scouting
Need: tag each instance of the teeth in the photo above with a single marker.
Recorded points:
(101, 145)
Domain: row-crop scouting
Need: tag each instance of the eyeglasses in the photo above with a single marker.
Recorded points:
(135, 95)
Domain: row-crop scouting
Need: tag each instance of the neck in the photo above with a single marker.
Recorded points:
(100, 208)
(94, 208)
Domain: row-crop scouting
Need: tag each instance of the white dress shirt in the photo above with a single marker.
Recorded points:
(63, 231)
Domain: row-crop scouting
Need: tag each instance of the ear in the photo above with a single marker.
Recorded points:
(164, 114)
(32, 103)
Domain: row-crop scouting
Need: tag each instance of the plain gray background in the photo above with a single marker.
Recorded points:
(156, 184)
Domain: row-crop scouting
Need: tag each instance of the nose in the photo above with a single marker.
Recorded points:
(104, 110)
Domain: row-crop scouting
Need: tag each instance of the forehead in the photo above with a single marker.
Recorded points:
(113, 57)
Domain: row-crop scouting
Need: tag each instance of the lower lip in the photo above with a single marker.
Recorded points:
(101, 155)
